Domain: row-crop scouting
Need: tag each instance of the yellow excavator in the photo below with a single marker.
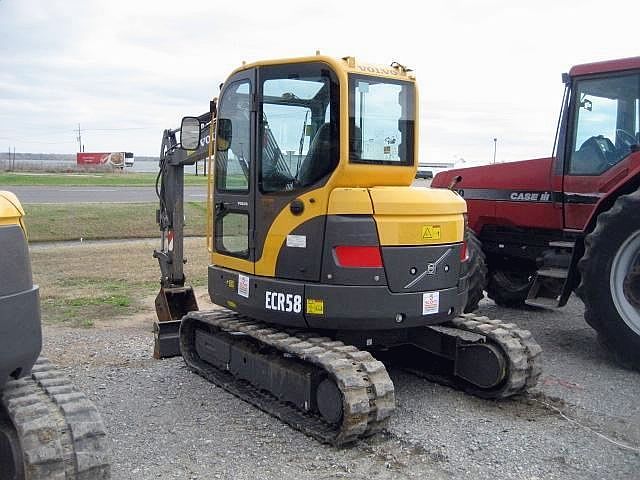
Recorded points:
(322, 253)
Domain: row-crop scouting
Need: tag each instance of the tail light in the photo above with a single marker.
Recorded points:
(358, 256)
(464, 253)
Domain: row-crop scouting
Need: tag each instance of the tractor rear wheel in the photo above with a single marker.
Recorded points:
(610, 279)
(509, 288)
(477, 272)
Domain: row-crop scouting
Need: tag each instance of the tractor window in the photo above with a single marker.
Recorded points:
(299, 126)
(233, 161)
(381, 121)
(605, 124)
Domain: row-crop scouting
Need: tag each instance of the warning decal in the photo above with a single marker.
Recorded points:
(431, 232)
(430, 303)
(315, 307)
(243, 286)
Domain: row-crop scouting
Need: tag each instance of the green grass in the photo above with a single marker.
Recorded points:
(8, 179)
(88, 285)
(94, 221)
(93, 298)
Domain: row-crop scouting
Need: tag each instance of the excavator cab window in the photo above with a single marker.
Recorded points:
(381, 121)
(605, 123)
(233, 161)
(298, 126)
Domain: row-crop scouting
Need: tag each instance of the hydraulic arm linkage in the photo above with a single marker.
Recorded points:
(175, 299)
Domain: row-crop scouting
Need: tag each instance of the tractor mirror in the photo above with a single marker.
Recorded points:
(223, 135)
(190, 133)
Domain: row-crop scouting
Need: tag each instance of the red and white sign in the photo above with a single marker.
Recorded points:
(115, 159)
(430, 303)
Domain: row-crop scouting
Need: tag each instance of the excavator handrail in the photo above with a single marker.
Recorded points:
(209, 234)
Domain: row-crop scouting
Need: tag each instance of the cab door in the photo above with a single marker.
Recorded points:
(233, 189)
(604, 132)
(298, 149)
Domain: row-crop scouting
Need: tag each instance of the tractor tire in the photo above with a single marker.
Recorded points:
(610, 279)
(509, 288)
(49, 430)
(477, 272)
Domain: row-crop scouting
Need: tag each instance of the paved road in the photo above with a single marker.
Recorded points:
(98, 194)
(55, 194)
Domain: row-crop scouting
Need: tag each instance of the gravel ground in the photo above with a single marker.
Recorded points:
(582, 422)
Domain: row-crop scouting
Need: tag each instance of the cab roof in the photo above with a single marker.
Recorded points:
(345, 64)
(606, 66)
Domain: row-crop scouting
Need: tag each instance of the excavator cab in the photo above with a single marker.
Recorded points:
(312, 150)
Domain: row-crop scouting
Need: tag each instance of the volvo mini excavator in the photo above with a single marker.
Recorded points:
(321, 252)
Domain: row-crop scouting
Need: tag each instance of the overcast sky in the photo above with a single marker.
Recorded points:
(125, 70)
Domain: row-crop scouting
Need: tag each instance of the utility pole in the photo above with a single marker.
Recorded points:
(495, 147)
(79, 138)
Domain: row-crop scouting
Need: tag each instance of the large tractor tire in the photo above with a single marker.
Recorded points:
(610, 279)
(477, 272)
(49, 430)
(509, 288)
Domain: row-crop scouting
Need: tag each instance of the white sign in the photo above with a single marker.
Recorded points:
(297, 241)
(430, 303)
(283, 302)
(243, 286)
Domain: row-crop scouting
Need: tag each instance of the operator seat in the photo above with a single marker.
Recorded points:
(320, 159)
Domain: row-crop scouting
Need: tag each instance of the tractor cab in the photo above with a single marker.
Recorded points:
(603, 121)
(599, 136)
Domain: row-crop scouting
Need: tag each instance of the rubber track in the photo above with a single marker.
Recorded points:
(522, 352)
(367, 390)
(62, 434)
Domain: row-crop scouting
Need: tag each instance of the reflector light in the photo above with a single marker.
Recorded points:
(358, 256)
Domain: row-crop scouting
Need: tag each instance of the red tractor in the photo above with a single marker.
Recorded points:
(552, 226)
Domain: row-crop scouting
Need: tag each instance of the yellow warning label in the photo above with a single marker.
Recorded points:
(431, 232)
(315, 307)
(231, 283)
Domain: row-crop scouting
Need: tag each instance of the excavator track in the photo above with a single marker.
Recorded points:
(366, 391)
(58, 433)
(521, 353)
